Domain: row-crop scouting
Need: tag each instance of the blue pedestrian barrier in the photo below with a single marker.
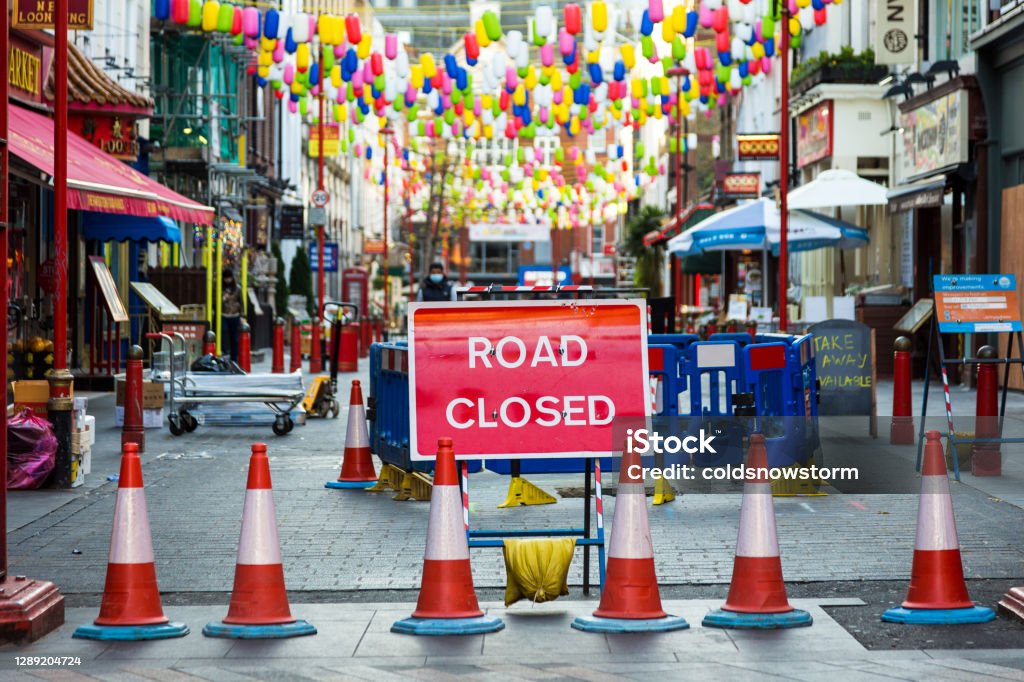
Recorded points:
(742, 338)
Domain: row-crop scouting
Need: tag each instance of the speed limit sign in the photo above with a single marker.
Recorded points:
(320, 197)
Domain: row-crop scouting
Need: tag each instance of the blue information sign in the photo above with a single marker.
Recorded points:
(330, 256)
(968, 304)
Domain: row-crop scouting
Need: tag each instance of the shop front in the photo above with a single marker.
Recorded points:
(939, 198)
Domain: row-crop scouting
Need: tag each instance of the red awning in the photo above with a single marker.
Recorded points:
(97, 181)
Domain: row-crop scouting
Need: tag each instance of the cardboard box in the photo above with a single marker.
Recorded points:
(34, 394)
(152, 394)
(151, 418)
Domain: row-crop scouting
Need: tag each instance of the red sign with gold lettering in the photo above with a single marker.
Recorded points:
(39, 14)
(113, 134)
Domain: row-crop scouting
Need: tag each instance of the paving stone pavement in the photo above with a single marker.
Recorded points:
(354, 642)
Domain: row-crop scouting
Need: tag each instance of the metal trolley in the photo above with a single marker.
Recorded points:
(281, 393)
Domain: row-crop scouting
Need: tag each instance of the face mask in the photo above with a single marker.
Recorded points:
(436, 279)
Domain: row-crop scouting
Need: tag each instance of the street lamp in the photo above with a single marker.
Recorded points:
(386, 133)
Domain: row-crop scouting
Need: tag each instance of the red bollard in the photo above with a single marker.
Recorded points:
(244, 346)
(378, 330)
(348, 348)
(986, 459)
(296, 347)
(366, 337)
(277, 354)
(752, 330)
(133, 432)
(902, 430)
(210, 344)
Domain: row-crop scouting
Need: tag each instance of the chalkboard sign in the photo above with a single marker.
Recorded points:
(844, 358)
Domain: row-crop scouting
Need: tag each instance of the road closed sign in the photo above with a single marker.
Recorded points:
(525, 379)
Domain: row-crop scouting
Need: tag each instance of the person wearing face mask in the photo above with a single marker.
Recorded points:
(436, 287)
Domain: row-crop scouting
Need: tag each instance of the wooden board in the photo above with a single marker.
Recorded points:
(155, 299)
(1011, 258)
(916, 316)
(106, 286)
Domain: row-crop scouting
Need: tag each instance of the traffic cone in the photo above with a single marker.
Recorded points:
(259, 605)
(938, 593)
(356, 465)
(757, 596)
(447, 604)
(630, 601)
(131, 608)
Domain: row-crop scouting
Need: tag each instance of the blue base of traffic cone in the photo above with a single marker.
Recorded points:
(971, 614)
(448, 626)
(297, 628)
(130, 633)
(624, 625)
(350, 485)
(734, 620)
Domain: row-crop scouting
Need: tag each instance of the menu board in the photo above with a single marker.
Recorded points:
(108, 290)
(844, 359)
(916, 316)
(155, 299)
(968, 304)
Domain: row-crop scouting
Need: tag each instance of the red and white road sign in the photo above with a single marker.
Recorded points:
(526, 378)
(320, 197)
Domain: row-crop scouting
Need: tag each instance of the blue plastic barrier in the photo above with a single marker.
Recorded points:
(742, 338)
(718, 364)
(389, 408)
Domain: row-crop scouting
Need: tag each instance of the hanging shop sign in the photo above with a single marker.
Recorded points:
(293, 221)
(40, 14)
(511, 232)
(373, 247)
(741, 186)
(757, 147)
(934, 137)
(115, 135)
(814, 134)
(895, 27)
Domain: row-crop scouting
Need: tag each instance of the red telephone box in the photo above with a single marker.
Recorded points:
(355, 288)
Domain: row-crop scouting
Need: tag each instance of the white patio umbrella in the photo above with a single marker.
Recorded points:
(837, 187)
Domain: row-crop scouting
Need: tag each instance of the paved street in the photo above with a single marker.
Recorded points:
(846, 557)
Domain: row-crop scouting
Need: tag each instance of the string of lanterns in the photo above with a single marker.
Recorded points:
(580, 77)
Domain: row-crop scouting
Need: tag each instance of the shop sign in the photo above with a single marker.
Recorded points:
(609, 249)
(39, 14)
(330, 256)
(113, 134)
(373, 247)
(814, 134)
(511, 232)
(332, 140)
(757, 147)
(934, 136)
(741, 186)
(895, 26)
(25, 69)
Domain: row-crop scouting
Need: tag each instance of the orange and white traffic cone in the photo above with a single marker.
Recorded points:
(447, 604)
(131, 608)
(356, 464)
(938, 593)
(757, 596)
(630, 601)
(259, 604)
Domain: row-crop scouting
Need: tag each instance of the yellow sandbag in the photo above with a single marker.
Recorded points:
(537, 568)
